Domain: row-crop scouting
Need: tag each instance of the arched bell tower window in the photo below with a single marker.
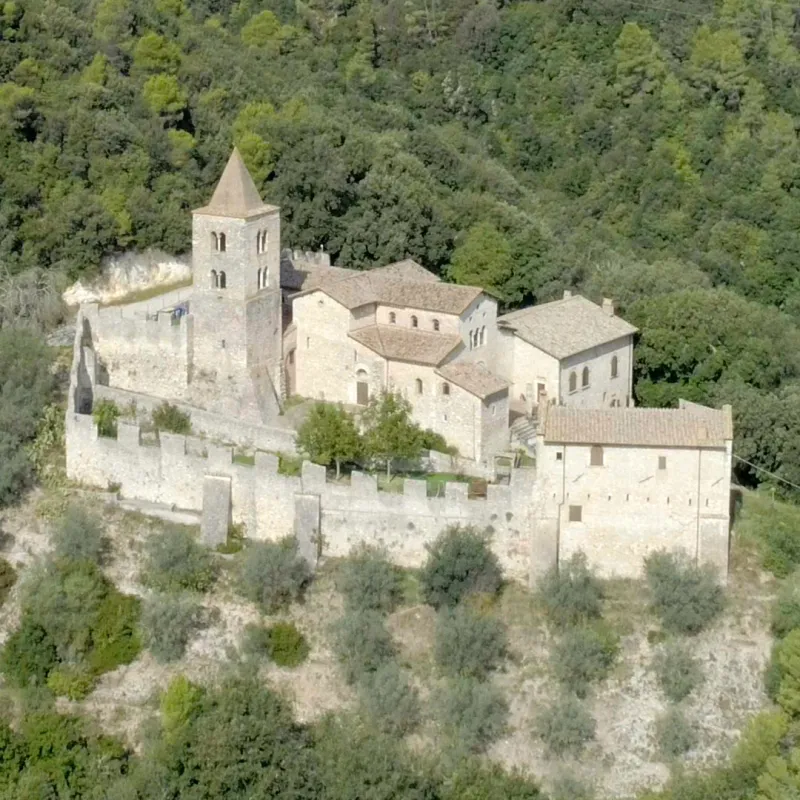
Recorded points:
(214, 241)
(221, 243)
(263, 278)
(213, 279)
(222, 283)
(262, 242)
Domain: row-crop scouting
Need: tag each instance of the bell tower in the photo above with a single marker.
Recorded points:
(236, 300)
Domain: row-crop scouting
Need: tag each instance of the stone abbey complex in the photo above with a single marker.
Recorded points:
(259, 325)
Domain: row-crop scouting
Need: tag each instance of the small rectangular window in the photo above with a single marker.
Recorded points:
(596, 456)
(662, 462)
(559, 456)
(575, 513)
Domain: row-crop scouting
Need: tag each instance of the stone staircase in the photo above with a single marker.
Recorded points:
(523, 434)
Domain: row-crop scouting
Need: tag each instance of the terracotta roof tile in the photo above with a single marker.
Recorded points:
(565, 327)
(648, 427)
(406, 344)
(405, 283)
(474, 378)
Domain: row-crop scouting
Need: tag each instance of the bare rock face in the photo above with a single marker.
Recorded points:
(130, 272)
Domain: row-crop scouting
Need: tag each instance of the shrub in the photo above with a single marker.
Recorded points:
(8, 577)
(286, 646)
(786, 611)
(361, 643)
(467, 643)
(368, 581)
(686, 597)
(105, 414)
(168, 623)
(566, 726)
(584, 655)
(459, 563)
(71, 681)
(176, 561)
(568, 787)
(28, 655)
(78, 536)
(571, 594)
(389, 701)
(675, 736)
(773, 674)
(167, 417)
(179, 704)
(678, 672)
(115, 635)
(272, 574)
(474, 713)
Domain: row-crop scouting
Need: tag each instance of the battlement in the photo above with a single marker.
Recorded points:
(173, 470)
(312, 258)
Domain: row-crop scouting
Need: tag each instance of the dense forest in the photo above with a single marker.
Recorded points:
(642, 150)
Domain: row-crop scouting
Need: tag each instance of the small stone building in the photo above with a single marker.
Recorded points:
(621, 483)
(571, 352)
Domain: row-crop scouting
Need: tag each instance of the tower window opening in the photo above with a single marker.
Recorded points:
(221, 242)
(222, 280)
(214, 279)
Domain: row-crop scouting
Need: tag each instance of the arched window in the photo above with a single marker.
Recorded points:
(585, 377)
(259, 279)
(213, 279)
(418, 383)
(214, 241)
(222, 280)
(614, 366)
(483, 335)
(445, 388)
(596, 456)
(262, 241)
(414, 322)
(573, 381)
(392, 317)
(221, 243)
(263, 278)
(436, 324)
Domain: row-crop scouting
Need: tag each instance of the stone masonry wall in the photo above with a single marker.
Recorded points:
(264, 500)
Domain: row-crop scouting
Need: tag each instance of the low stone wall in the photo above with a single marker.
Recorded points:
(265, 501)
(207, 423)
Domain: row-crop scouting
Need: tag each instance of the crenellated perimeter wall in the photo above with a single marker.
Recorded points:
(338, 516)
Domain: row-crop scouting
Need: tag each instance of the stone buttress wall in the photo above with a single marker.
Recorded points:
(264, 500)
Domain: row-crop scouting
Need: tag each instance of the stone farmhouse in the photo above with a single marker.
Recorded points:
(260, 324)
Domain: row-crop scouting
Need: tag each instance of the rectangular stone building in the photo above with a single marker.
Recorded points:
(570, 351)
(621, 483)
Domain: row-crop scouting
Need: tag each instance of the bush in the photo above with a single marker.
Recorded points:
(786, 611)
(368, 581)
(459, 563)
(566, 726)
(115, 635)
(773, 674)
(105, 414)
(8, 577)
(28, 655)
(389, 701)
(584, 655)
(176, 561)
(686, 597)
(361, 643)
(168, 623)
(167, 417)
(474, 713)
(674, 734)
(272, 574)
(571, 594)
(467, 643)
(568, 787)
(78, 536)
(286, 646)
(179, 704)
(678, 672)
(70, 681)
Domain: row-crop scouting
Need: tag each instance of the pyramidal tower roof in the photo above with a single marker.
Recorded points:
(236, 194)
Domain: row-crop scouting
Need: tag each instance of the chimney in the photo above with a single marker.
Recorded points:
(567, 294)
(608, 306)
